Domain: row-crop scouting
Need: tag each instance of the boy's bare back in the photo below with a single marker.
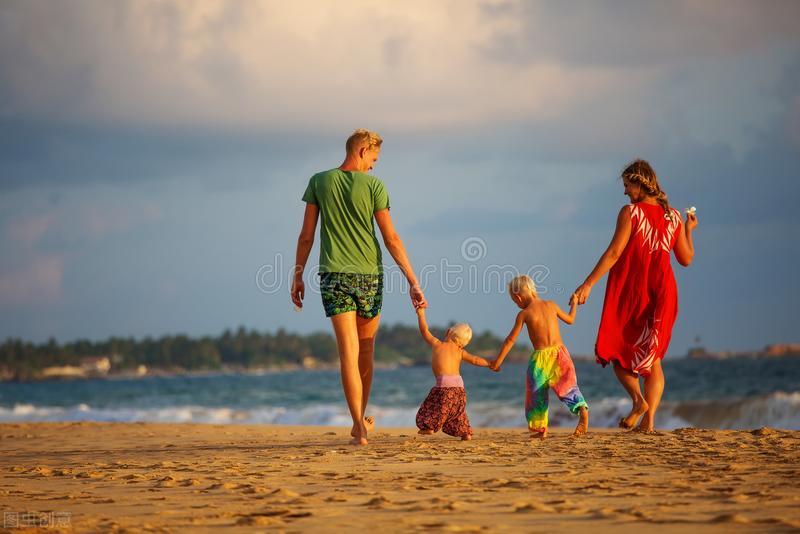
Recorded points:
(541, 320)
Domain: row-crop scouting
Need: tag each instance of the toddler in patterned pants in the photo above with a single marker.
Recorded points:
(445, 407)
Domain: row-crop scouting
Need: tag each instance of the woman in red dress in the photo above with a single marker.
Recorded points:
(641, 301)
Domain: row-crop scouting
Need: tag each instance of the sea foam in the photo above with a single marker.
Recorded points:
(779, 410)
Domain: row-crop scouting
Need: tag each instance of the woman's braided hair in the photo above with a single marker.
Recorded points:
(640, 172)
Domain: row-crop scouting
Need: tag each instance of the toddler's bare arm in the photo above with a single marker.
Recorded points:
(509, 342)
(474, 360)
(423, 328)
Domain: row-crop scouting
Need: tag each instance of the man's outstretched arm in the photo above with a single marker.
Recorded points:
(395, 247)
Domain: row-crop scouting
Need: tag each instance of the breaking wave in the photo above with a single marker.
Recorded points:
(778, 410)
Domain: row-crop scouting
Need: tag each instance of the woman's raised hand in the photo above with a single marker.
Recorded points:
(581, 294)
(691, 221)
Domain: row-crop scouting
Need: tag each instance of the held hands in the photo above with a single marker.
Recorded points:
(417, 297)
(581, 294)
(494, 365)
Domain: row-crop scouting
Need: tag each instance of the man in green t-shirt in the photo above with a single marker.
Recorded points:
(348, 202)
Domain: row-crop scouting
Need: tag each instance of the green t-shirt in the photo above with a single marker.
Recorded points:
(347, 201)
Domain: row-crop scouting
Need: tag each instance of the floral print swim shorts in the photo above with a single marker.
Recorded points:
(344, 292)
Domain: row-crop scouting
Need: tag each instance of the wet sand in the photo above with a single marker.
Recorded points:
(132, 477)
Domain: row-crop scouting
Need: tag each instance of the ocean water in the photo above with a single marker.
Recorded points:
(732, 394)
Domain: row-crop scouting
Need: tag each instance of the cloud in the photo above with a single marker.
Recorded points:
(29, 230)
(38, 247)
(639, 33)
(293, 67)
(80, 219)
(264, 64)
(37, 283)
(37, 152)
(28, 276)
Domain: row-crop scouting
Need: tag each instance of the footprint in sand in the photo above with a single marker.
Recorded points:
(90, 474)
(42, 471)
(378, 502)
(165, 464)
(284, 496)
(258, 520)
(532, 506)
(515, 483)
(272, 516)
(729, 518)
(223, 485)
(609, 513)
(166, 482)
(250, 490)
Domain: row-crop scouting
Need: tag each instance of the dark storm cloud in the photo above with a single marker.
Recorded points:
(639, 34)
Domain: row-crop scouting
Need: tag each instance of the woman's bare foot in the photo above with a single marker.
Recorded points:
(639, 408)
(583, 422)
(646, 425)
(369, 424)
(359, 440)
(539, 435)
(466, 438)
(425, 432)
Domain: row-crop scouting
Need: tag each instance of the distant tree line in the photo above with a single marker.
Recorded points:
(242, 349)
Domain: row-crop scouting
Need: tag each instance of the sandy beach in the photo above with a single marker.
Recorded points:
(137, 477)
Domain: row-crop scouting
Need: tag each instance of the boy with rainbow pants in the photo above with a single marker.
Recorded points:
(549, 366)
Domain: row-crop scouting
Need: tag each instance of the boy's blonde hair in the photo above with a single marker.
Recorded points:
(461, 333)
(521, 282)
(362, 138)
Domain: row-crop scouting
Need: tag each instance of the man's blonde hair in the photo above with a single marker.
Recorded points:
(362, 138)
(521, 282)
(461, 333)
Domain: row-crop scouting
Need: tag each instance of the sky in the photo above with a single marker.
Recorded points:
(153, 156)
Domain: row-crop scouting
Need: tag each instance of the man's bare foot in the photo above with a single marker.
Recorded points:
(639, 408)
(359, 440)
(466, 438)
(369, 424)
(539, 435)
(425, 432)
(359, 434)
(583, 422)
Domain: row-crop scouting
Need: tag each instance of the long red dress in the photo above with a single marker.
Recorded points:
(641, 301)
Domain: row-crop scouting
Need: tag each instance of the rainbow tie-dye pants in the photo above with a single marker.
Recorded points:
(550, 367)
